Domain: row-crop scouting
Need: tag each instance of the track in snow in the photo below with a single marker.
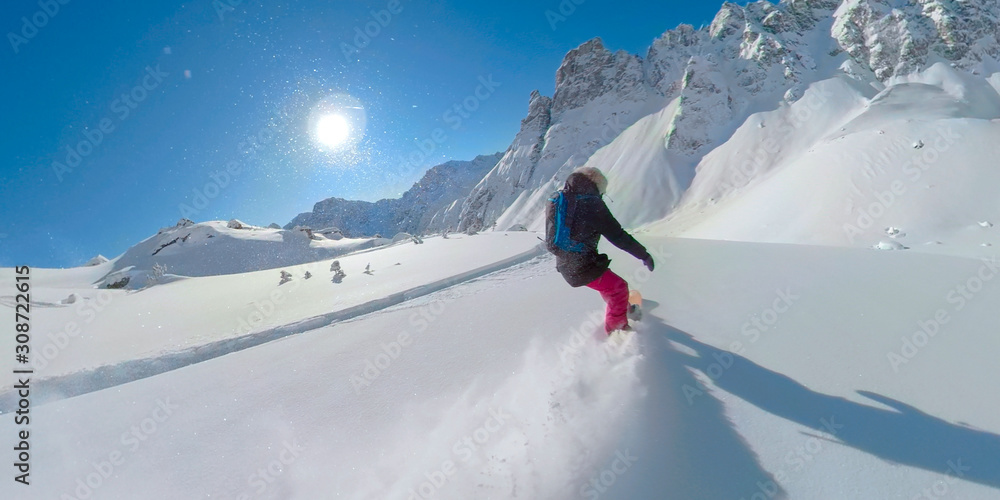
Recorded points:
(103, 377)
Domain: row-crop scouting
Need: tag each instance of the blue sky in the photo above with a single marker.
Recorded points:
(116, 115)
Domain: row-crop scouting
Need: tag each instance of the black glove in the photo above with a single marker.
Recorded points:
(648, 262)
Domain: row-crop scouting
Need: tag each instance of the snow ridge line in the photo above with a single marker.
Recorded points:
(47, 390)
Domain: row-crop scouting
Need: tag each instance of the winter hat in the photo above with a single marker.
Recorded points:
(595, 176)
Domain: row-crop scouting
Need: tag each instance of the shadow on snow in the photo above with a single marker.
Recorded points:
(685, 451)
(903, 435)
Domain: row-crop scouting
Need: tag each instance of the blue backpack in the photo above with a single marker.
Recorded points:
(560, 238)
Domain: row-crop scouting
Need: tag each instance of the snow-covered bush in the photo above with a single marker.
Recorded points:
(338, 273)
(156, 274)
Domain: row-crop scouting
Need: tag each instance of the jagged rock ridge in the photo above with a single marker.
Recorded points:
(707, 82)
(430, 205)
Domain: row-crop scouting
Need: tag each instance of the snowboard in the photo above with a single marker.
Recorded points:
(635, 305)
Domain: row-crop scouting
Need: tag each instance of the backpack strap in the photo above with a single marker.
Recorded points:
(563, 222)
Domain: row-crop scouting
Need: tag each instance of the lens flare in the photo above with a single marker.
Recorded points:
(337, 124)
(332, 131)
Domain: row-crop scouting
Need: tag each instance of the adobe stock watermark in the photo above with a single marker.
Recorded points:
(570, 350)
(375, 366)
(942, 487)
(266, 307)
(913, 169)
(797, 460)
(886, 159)
(463, 450)
(223, 7)
(59, 341)
(454, 117)
(761, 323)
(364, 35)
(753, 329)
(32, 25)
(562, 12)
(265, 476)
(599, 483)
(247, 149)
(612, 128)
(798, 115)
(131, 441)
(121, 108)
(958, 297)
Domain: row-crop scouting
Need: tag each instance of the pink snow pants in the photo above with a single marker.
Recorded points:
(614, 291)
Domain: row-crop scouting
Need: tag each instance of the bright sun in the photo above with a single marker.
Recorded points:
(332, 130)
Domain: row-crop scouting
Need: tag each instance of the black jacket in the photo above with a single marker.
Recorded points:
(590, 219)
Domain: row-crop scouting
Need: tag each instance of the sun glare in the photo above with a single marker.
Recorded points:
(332, 130)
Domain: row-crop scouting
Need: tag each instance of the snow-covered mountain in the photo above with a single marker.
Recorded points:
(218, 248)
(657, 117)
(465, 367)
(432, 204)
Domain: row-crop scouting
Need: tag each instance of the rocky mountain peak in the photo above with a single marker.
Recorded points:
(590, 71)
(751, 57)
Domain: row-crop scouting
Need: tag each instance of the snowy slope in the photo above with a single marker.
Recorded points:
(759, 369)
(95, 333)
(910, 166)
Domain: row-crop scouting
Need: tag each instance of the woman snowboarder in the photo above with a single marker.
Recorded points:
(576, 218)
